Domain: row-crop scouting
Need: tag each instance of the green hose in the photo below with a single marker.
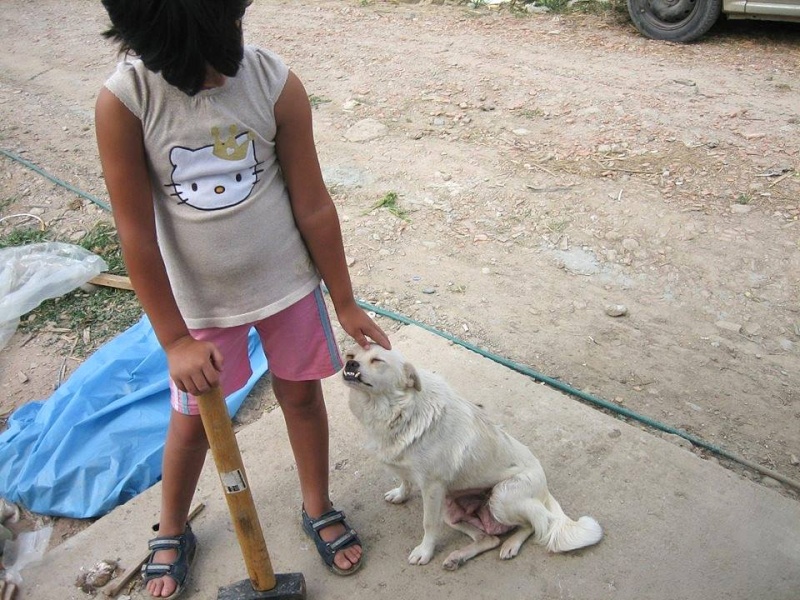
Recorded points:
(55, 180)
(559, 385)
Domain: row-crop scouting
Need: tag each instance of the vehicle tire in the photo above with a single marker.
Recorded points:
(674, 20)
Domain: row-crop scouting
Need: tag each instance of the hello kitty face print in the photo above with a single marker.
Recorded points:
(217, 176)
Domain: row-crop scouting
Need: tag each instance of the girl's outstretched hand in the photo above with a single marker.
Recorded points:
(361, 328)
(194, 365)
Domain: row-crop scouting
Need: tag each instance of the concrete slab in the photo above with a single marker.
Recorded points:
(677, 527)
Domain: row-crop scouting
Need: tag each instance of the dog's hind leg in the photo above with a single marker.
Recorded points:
(511, 546)
(481, 542)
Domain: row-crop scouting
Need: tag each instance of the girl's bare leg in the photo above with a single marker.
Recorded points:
(184, 454)
(307, 423)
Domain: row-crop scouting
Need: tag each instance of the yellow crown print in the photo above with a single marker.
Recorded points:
(228, 149)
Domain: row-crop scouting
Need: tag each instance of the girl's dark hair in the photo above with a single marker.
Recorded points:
(180, 38)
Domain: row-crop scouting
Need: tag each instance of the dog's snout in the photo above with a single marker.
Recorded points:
(351, 365)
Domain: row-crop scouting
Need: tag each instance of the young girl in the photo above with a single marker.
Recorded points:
(225, 224)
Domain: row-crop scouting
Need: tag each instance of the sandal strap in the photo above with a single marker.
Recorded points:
(329, 518)
(157, 569)
(343, 541)
(165, 543)
(185, 544)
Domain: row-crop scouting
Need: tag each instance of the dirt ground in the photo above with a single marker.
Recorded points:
(545, 169)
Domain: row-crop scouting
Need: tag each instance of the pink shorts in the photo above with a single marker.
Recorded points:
(298, 342)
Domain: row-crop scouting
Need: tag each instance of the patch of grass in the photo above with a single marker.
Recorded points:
(564, 6)
(317, 101)
(86, 320)
(6, 202)
(531, 113)
(389, 202)
(23, 236)
(558, 225)
(743, 199)
(103, 241)
(457, 288)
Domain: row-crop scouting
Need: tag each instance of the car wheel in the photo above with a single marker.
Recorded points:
(674, 20)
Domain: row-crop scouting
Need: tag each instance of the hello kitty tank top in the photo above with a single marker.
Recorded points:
(224, 222)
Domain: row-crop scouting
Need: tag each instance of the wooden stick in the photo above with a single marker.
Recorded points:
(9, 590)
(121, 282)
(116, 587)
(222, 441)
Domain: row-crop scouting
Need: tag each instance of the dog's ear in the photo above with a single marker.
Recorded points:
(412, 377)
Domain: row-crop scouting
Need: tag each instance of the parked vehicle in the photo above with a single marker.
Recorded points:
(687, 20)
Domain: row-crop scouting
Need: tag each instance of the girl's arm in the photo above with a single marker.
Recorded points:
(193, 365)
(314, 210)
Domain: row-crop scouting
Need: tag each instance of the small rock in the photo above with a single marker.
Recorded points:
(614, 433)
(22, 377)
(350, 261)
(616, 310)
(90, 288)
(96, 577)
(630, 244)
(771, 483)
(728, 326)
(740, 209)
(366, 130)
(428, 290)
(793, 460)
(8, 511)
(751, 328)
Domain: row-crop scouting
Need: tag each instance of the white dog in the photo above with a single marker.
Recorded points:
(472, 474)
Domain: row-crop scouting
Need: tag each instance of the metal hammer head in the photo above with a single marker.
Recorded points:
(288, 586)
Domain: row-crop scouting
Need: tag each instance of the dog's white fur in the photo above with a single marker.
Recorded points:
(433, 439)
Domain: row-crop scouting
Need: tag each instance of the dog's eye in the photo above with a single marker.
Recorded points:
(375, 360)
(349, 356)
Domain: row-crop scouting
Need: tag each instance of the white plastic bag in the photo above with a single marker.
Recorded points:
(36, 272)
(27, 549)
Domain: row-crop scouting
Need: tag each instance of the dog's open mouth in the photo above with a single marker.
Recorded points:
(354, 375)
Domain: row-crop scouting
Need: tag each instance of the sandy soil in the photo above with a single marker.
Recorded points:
(547, 168)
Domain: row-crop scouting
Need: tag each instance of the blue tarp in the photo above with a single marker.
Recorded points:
(98, 440)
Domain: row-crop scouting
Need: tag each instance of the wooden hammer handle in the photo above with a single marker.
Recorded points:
(221, 439)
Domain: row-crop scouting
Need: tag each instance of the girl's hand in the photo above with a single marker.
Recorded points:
(194, 365)
(361, 328)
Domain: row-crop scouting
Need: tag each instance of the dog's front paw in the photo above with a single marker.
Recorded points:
(421, 555)
(397, 495)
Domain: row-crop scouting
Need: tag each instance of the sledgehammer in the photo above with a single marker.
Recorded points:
(263, 583)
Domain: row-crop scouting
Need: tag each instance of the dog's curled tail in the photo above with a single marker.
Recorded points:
(563, 534)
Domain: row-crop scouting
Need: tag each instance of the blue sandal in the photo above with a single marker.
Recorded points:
(186, 545)
(327, 550)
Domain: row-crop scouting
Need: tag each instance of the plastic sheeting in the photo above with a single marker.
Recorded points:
(98, 440)
(33, 273)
